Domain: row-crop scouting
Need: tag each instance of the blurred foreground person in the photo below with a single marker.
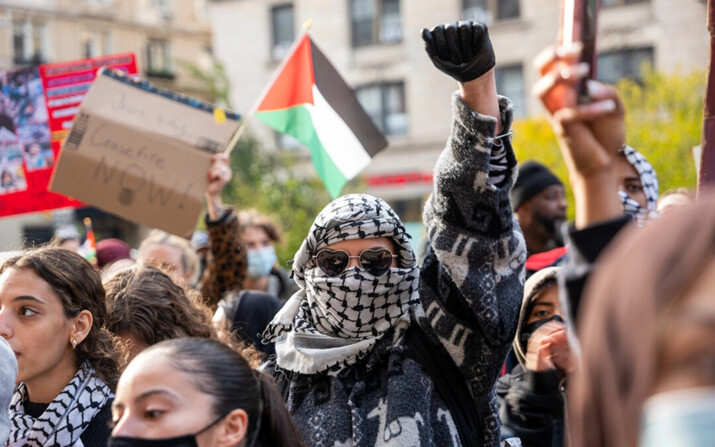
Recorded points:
(532, 394)
(646, 321)
(8, 374)
(145, 306)
(649, 381)
(374, 351)
(198, 392)
(52, 312)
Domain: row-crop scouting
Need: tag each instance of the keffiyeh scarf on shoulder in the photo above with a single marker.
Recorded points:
(649, 180)
(332, 322)
(67, 416)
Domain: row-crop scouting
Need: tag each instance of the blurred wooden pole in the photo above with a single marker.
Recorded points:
(706, 176)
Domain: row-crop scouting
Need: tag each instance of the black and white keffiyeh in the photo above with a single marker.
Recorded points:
(67, 416)
(332, 322)
(649, 180)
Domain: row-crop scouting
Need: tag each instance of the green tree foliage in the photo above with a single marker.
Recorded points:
(663, 121)
(271, 183)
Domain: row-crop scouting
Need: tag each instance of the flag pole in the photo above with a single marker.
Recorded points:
(249, 115)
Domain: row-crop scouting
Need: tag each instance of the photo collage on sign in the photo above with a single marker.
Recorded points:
(24, 134)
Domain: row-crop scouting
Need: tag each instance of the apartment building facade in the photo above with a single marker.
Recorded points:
(163, 34)
(376, 45)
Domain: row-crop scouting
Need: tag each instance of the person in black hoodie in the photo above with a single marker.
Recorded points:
(53, 312)
(531, 395)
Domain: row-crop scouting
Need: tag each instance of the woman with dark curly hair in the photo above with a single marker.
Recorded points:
(52, 312)
(145, 306)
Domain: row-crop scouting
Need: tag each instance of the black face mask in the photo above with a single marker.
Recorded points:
(532, 327)
(177, 441)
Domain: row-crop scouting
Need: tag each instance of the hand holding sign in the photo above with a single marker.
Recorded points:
(218, 176)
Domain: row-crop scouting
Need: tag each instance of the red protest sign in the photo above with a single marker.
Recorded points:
(37, 106)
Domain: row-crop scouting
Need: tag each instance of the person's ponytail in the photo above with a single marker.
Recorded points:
(225, 373)
(275, 426)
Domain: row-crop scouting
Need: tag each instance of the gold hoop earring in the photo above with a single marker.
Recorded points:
(74, 343)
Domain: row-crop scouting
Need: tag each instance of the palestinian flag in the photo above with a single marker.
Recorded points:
(310, 101)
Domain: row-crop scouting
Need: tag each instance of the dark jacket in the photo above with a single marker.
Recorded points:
(531, 407)
(585, 246)
(249, 312)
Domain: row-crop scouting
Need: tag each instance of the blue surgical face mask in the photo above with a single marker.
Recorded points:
(261, 261)
(679, 418)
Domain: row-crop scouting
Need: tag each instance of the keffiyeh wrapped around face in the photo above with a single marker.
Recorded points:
(332, 322)
(649, 180)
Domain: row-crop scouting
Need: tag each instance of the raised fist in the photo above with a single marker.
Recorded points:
(460, 49)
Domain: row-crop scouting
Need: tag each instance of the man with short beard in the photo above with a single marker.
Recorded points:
(539, 204)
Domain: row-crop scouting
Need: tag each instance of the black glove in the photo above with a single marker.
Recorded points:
(462, 50)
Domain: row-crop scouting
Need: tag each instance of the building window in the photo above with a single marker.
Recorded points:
(615, 65)
(30, 43)
(488, 11)
(385, 103)
(375, 21)
(163, 7)
(607, 3)
(158, 59)
(159, 4)
(510, 83)
(283, 30)
(97, 44)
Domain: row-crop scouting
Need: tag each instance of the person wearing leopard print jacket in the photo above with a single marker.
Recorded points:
(226, 266)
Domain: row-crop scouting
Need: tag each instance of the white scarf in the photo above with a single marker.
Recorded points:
(332, 322)
(67, 416)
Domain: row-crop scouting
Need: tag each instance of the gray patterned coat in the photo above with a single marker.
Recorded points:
(471, 287)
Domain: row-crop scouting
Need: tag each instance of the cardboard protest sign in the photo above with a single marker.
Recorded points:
(37, 106)
(142, 152)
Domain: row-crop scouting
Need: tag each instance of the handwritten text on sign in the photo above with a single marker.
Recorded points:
(142, 155)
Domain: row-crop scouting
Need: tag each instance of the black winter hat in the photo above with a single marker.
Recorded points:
(533, 177)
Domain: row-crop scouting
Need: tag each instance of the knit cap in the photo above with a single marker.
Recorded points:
(8, 374)
(111, 250)
(532, 179)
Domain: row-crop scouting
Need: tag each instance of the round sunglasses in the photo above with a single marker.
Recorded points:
(375, 261)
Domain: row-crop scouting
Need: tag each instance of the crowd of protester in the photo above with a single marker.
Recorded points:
(517, 328)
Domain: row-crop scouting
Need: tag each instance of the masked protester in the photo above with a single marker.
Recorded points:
(194, 392)
(52, 311)
(637, 185)
(260, 235)
(373, 350)
(532, 394)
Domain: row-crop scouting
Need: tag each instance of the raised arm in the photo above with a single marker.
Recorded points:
(472, 278)
(589, 136)
(226, 269)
